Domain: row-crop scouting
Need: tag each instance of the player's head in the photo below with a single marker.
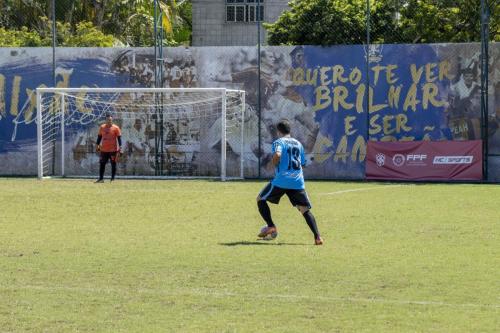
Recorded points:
(109, 119)
(283, 127)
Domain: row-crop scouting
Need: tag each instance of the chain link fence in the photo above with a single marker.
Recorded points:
(365, 69)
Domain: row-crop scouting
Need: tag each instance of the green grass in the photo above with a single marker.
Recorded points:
(182, 256)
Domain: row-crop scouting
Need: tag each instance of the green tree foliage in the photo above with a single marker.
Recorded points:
(330, 22)
(21, 37)
(93, 22)
(85, 35)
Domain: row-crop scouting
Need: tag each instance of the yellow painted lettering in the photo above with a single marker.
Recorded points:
(374, 126)
(80, 102)
(393, 97)
(320, 150)
(14, 101)
(323, 98)
(444, 70)
(359, 149)
(3, 112)
(348, 126)
(311, 77)
(430, 91)
(374, 107)
(376, 70)
(360, 97)
(429, 72)
(387, 124)
(390, 75)
(416, 74)
(411, 99)
(388, 138)
(323, 76)
(355, 76)
(340, 93)
(401, 121)
(298, 76)
(341, 152)
(338, 70)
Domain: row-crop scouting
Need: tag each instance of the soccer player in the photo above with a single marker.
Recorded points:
(288, 159)
(109, 142)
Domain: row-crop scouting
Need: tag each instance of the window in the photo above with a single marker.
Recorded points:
(244, 10)
(240, 13)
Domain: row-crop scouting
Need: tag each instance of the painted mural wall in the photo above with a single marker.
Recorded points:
(416, 92)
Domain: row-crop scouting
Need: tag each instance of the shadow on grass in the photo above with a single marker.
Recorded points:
(261, 242)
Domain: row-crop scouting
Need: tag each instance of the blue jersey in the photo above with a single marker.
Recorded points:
(289, 173)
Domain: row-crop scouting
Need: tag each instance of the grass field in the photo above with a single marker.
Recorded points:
(182, 256)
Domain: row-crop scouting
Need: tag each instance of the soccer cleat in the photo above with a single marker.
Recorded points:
(318, 241)
(100, 181)
(268, 233)
(112, 180)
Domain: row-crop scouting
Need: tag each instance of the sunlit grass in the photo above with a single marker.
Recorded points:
(182, 256)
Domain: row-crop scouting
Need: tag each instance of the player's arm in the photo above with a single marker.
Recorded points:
(98, 142)
(119, 139)
(276, 153)
(276, 158)
(303, 160)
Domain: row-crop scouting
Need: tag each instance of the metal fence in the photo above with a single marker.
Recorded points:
(276, 38)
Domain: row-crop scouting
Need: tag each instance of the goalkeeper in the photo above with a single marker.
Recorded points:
(109, 142)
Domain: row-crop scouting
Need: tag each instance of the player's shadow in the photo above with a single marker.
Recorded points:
(260, 242)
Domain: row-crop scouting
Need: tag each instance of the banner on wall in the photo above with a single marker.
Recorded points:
(421, 92)
(424, 160)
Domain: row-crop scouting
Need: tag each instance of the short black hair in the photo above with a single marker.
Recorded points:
(283, 126)
(108, 115)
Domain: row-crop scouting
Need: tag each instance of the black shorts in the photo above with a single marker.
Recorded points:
(273, 194)
(105, 156)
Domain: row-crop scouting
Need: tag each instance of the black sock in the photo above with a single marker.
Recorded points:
(102, 167)
(113, 169)
(311, 222)
(265, 212)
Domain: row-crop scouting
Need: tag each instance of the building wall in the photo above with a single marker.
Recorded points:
(211, 29)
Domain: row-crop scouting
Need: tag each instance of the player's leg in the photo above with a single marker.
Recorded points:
(272, 194)
(113, 165)
(103, 159)
(300, 199)
(311, 222)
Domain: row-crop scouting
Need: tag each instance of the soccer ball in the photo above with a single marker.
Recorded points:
(272, 236)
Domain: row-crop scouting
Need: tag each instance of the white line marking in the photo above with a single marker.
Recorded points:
(362, 189)
(215, 293)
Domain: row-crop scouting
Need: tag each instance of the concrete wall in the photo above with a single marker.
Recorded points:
(211, 29)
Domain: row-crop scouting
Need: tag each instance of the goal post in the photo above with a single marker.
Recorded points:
(166, 132)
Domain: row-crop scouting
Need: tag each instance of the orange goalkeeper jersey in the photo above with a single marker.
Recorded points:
(109, 136)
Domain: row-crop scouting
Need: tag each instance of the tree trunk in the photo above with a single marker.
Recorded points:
(69, 13)
(99, 7)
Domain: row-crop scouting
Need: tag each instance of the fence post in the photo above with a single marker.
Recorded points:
(259, 104)
(484, 85)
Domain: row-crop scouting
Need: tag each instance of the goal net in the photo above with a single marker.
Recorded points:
(166, 132)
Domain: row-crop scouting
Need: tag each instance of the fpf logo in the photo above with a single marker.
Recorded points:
(380, 159)
(398, 159)
(410, 159)
(416, 157)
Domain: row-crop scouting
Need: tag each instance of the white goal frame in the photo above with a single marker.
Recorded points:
(223, 95)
